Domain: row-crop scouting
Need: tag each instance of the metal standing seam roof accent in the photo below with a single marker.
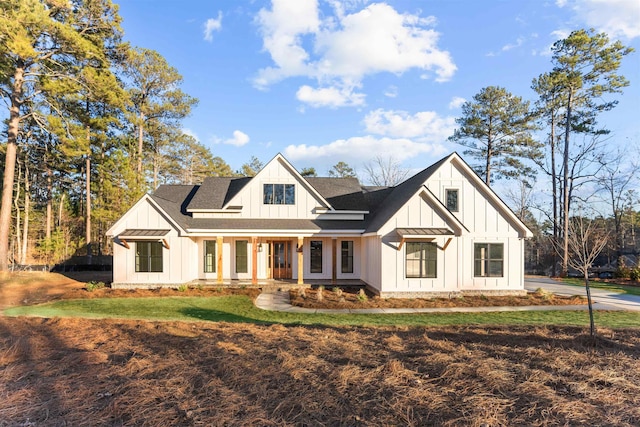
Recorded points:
(418, 232)
(139, 232)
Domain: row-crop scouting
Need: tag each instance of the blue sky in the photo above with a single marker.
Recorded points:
(323, 81)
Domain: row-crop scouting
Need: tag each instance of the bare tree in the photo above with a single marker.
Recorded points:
(587, 238)
(385, 171)
(618, 178)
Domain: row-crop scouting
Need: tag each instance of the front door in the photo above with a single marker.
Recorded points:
(281, 260)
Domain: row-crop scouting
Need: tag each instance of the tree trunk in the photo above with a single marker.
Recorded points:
(565, 190)
(88, 223)
(592, 325)
(49, 173)
(140, 146)
(27, 203)
(16, 203)
(9, 166)
(489, 154)
(554, 189)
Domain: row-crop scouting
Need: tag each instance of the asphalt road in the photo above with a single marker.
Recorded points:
(602, 299)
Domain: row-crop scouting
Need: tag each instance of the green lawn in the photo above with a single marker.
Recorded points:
(631, 290)
(241, 309)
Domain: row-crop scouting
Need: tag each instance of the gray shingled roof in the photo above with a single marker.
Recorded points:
(341, 193)
(398, 196)
(216, 191)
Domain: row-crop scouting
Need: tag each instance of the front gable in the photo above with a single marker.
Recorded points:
(302, 200)
(423, 210)
(479, 207)
(144, 214)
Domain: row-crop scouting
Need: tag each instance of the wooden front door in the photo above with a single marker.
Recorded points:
(281, 260)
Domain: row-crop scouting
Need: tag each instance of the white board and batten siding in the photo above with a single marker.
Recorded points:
(418, 212)
(178, 266)
(276, 172)
(486, 222)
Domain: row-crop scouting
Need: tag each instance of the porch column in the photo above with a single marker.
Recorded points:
(334, 267)
(254, 260)
(219, 260)
(300, 260)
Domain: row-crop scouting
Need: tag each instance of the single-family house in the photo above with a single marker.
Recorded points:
(442, 231)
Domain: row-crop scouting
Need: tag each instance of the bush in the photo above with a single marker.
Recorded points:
(182, 288)
(362, 296)
(623, 272)
(337, 291)
(93, 285)
(634, 274)
(320, 293)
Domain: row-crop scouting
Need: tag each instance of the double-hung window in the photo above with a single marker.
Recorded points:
(242, 258)
(148, 257)
(209, 256)
(421, 259)
(279, 194)
(488, 259)
(315, 256)
(346, 250)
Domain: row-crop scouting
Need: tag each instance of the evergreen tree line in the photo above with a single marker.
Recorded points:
(556, 145)
(94, 123)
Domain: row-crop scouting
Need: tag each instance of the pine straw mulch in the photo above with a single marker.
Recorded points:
(87, 372)
(349, 298)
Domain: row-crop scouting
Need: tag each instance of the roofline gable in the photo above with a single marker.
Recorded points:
(456, 159)
(280, 158)
(147, 197)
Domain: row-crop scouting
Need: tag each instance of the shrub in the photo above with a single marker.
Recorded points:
(302, 293)
(319, 293)
(93, 285)
(182, 288)
(337, 291)
(634, 274)
(362, 296)
(623, 272)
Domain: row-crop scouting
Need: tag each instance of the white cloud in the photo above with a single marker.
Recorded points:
(617, 18)
(510, 46)
(357, 150)
(239, 139)
(329, 97)
(391, 92)
(212, 24)
(456, 102)
(339, 50)
(424, 125)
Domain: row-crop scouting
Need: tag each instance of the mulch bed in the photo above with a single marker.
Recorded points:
(350, 298)
(87, 372)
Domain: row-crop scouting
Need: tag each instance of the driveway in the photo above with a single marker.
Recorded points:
(603, 300)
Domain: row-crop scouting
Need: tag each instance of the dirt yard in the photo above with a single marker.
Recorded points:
(85, 372)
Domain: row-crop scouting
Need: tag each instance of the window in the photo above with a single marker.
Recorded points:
(347, 256)
(209, 256)
(488, 259)
(148, 257)
(421, 259)
(452, 199)
(279, 194)
(241, 256)
(316, 256)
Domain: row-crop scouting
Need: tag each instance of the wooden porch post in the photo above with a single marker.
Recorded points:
(254, 260)
(300, 261)
(219, 260)
(334, 267)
